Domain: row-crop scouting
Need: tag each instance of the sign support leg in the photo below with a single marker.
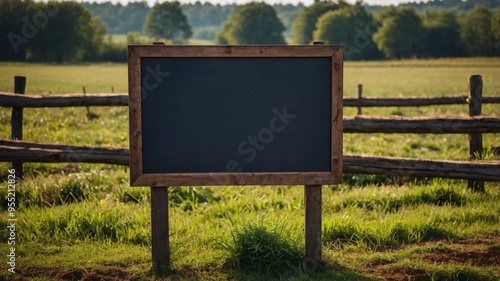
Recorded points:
(313, 225)
(159, 228)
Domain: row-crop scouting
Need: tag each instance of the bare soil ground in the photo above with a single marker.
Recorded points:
(105, 274)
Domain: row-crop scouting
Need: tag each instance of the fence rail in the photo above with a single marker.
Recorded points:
(427, 125)
(358, 164)
(430, 125)
(400, 102)
(18, 151)
(121, 99)
(14, 100)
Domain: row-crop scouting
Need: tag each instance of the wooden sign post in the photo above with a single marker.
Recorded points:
(159, 227)
(235, 115)
(313, 204)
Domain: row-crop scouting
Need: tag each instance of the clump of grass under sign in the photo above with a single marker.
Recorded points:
(257, 249)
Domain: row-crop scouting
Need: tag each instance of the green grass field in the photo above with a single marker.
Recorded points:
(83, 221)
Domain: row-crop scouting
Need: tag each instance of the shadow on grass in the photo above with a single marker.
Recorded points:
(327, 272)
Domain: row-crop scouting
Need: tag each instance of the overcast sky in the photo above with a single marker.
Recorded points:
(306, 2)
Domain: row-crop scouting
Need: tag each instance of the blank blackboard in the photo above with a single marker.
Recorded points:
(249, 116)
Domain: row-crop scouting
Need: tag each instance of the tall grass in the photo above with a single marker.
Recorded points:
(271, 250)
(388, 216)
(438, 192)
(388, 233)
(107, 222)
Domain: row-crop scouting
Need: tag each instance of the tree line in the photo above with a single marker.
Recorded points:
(400, 32)
(454, 5)
(205, 19)
(69, 31)
(52, 31)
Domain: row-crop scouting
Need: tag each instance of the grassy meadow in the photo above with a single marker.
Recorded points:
(83, 221)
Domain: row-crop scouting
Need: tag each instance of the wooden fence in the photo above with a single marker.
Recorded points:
(18, 151)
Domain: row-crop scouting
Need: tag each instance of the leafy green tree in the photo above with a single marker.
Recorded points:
(166, 20)
(51, 31)
(13, 15)
(305, 23)
(252, 23)
(442, 34)
(476, 32)
(351, 26)
(120, 19)
(220, 38)
(287, 13)
(71, 34)
(495, 28)
(207, 14)
(95, 33)
(133, 16)
(401, 34)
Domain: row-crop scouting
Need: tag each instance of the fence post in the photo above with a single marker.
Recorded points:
(360, 96)
(17, 121)
(475, 140)
(88, 109)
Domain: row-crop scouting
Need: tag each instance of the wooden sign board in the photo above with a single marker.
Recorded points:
(235, 115)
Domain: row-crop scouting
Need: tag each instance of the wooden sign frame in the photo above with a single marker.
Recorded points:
(139, 178)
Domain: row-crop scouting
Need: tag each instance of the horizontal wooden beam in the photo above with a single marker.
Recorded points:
(358, 164)
(12, 100)
(383, 102)
(395, 166)
(376, 102)
(424, 125)
(490, 100)
(11, 151)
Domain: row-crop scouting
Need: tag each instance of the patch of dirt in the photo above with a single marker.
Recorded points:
(396, 273)
(484, 251)
(105, 274)
(489, 257)
(481, 252)
(71, 275)
(492, 240)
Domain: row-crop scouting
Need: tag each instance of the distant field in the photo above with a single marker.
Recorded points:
(63, 79)
(80, 221)
(443, 77)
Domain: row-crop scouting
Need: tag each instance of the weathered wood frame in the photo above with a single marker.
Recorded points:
(138, 178)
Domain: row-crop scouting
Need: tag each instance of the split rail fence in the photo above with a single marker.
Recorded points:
(476, 172)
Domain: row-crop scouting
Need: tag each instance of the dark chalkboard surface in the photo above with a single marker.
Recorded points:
(235, 115)
(206, 112)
